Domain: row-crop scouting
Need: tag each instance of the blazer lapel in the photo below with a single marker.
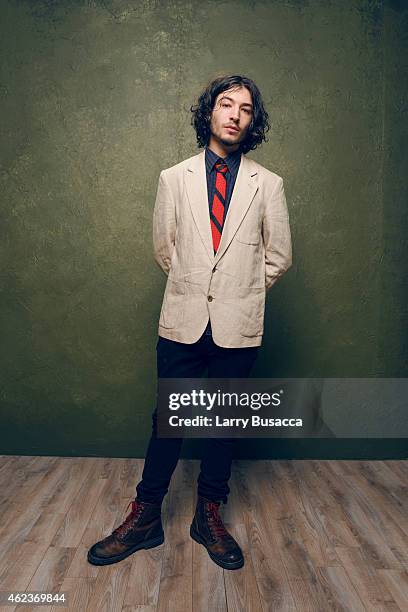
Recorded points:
(245, 188)
(196, 186)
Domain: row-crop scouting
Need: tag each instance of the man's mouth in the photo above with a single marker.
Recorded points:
(232, 128)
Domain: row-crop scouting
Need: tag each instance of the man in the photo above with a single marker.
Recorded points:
(221, 234)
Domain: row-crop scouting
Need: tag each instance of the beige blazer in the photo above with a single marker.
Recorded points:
(229, 287)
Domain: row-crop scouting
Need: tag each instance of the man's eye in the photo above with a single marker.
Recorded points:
(225, 104)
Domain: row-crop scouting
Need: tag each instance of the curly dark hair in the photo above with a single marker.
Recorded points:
(201, 112)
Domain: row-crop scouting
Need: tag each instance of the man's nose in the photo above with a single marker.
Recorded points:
(234, 113)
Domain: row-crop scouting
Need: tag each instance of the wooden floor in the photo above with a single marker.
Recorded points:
(316, 535)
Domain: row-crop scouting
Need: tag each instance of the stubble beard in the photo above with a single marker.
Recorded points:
(230, 142)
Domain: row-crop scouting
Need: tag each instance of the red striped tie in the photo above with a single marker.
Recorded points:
(217, 212)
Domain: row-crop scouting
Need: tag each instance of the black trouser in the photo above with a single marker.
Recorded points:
(179, 360)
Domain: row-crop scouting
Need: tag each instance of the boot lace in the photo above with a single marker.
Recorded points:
(137, 508)
(215, 522)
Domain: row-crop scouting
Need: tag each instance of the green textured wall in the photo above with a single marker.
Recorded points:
(94, 103)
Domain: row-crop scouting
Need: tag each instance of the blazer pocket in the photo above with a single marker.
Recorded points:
(251, 238)
(172, 308)
(252, 311)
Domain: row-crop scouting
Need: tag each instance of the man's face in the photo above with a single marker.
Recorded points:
(231, 117)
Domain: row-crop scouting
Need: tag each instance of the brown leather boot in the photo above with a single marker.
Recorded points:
(142, 528)
(208, 529)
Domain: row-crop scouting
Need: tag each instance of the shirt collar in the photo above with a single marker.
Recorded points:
(232, 160)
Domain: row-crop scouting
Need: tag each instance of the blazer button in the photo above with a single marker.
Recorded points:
(214, 269)
(210, 298)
